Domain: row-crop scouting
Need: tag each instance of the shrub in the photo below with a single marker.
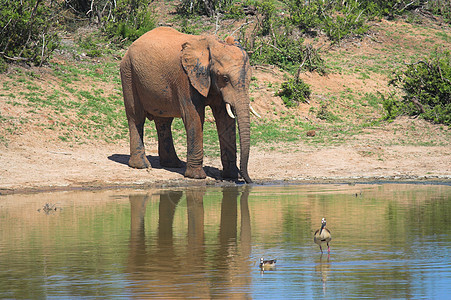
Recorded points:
(267, 9)
(305, 15)
(25, 31)
(204, 7)
(294, 92)
(288, 53)
(274, 42)
(325, 114)
(91, 46)
(337, 19)
(442, 8)
(129, 20)
(391, 105)
(3, 65)
(427, 88)
(349, 20)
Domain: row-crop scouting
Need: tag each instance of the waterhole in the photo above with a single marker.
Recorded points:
(388, 241)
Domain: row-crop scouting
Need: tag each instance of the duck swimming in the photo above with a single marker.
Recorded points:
(267, 264)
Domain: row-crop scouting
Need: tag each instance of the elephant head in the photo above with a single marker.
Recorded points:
(220, 72)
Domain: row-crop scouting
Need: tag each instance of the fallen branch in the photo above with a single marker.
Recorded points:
(14, 58)
(239, 28)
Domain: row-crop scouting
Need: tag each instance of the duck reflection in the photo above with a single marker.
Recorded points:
(322, 268)
(164, 268)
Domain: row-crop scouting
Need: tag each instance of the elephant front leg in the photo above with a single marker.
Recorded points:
(227, 141)
(166, 150)
(195, 154)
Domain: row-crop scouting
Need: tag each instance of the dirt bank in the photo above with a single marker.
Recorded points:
(30, 164)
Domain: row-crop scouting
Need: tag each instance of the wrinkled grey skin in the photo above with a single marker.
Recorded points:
(167, 74)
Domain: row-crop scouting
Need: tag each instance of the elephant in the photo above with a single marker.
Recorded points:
(167, 74)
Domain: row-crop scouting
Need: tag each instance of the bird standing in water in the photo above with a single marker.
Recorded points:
(323, 235)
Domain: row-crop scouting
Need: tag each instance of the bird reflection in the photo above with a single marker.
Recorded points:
(322, 267)
(160, 268)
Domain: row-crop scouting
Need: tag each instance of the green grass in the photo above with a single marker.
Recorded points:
(84, 100)
(444, 36)
(76, 96)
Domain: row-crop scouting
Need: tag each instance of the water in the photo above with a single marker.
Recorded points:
(388, 241)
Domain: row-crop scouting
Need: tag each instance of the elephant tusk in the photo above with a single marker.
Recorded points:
(229, 111)
(254, 112)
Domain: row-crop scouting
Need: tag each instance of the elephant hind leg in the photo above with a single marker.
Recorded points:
(138, 157)
(136, 118)
(166, 150)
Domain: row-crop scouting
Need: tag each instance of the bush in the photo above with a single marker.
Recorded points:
(294, 92)
(129, 20)
(90, 45)
(325, 114)
(427, 88)
(3, 65)
(274, 42)
(391, 105)
(337, 19)
(441, 8)
(348, 21)
(305, 15)
(286, 52)
(25, 31)
(204, 7)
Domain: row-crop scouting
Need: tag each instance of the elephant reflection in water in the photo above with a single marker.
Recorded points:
(231, 259)
(165, 270)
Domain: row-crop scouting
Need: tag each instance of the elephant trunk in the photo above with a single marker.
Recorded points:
(243, 120)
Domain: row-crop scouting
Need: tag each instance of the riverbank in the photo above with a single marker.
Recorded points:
(31, 165)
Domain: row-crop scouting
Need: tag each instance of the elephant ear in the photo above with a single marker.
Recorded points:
(196, 62)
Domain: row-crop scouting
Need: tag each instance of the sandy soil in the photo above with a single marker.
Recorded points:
(28, 165)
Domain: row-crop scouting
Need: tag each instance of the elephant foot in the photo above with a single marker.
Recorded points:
(171, 163)
(230, 174)
(139, 162)
(196, 173)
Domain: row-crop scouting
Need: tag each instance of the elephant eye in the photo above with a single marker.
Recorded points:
(226, 79)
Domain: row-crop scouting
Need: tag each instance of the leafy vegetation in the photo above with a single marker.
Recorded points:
(26, 31)
(122, 20)
(205, 7)
(129, 20)
(294, 92)
(338, 19)
(427, 89)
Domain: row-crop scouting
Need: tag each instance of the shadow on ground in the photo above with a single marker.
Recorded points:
(212, 172)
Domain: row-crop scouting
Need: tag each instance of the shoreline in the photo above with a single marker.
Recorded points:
(186, 183)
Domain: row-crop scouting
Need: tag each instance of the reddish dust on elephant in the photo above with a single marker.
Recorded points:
(167, 74)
